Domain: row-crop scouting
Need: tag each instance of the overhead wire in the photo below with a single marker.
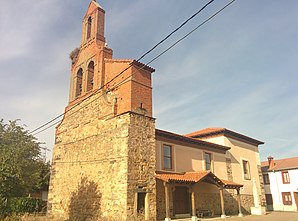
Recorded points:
(145, 54)
(179, 27)
(142, 67)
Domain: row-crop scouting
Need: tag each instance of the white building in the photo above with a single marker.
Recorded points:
(281, 183)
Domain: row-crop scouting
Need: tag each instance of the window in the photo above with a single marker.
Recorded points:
(266, 179)
(89, 25)
(167, 157)
(287, 198)
(207, 157)
(90, 76)
(246, 170)
(79, 82)
(141, 202)
(285, 177)
(269, 200)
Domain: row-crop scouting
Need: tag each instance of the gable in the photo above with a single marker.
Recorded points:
(92, 7)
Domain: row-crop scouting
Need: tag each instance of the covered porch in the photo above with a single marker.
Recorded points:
(181, 189)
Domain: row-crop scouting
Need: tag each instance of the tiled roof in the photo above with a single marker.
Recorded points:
(206, 131)
(189, 140)
(191, 177)
(230, 183)
(282, 164)
(194, 177)
(132, 62)
(219, 131)
(264, 163)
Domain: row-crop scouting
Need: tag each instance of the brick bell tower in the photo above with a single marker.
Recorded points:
(87, 72)
(104, 155)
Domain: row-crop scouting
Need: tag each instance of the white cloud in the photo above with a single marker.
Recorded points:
(23, 22)
(238, 71)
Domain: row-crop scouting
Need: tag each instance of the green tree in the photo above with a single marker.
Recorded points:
(21, 168)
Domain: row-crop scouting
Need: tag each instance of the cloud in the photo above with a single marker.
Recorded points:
(238, 71)
(18, 33)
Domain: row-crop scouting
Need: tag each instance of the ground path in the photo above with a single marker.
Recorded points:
(272, 216)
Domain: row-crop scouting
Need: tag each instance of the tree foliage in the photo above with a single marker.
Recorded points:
(21, 168)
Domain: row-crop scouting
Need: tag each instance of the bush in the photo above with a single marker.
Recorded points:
(21, 205)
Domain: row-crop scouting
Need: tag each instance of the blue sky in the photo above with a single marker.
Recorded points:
(239, 71)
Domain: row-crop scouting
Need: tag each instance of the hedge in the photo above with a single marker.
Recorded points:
(21, 205)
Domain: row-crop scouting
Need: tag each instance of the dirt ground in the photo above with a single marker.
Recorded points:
(271, 216)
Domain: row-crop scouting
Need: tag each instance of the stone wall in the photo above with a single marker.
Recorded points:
(211, 201)
(160, 201)
(262, 196)
(96, 159)
(141, 162)
(206, 201)
(229, 169)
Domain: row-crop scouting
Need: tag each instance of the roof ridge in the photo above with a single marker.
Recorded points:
(192, 140)
(210, 132)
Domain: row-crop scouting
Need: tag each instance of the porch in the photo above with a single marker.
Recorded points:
(181, 192)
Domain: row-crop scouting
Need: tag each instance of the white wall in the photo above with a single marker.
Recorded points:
(277, 187)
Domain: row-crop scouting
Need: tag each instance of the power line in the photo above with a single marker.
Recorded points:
(164, 39)
(123, 81)
(155, 58)
(51, 125)
(145, 54)
(179, 27)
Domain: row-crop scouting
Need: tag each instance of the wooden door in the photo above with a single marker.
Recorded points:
(181, 200)
(296, 199)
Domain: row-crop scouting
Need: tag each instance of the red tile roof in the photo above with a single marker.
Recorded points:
(230, 183)
(282, 164)
(205, 131)
(220, 131)
(189, 140)
(194, 177)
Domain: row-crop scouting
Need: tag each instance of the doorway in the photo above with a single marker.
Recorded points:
(181, 200)
(296, 199)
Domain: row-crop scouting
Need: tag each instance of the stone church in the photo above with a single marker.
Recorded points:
(111, 163)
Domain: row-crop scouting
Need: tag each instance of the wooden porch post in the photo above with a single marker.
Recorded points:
(167, 199)
(239, 202)
(222, 203)
(193, 205)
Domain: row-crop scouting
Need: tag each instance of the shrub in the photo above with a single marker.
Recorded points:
(21, 205)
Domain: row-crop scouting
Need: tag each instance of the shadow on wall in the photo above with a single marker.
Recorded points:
(85, 202)
(231, 203)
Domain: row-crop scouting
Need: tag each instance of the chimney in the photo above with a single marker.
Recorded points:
(270, 162)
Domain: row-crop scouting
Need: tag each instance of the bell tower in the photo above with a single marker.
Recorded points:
(87, 71)
(93, 24)
(103, 162)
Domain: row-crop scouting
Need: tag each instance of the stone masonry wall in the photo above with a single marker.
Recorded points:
(211, 201)
(91, 169)
(141, 162)
(262, 196)
(206, 201)
(229, 169)
(160, 201)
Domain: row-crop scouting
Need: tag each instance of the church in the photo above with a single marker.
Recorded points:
(110, 162)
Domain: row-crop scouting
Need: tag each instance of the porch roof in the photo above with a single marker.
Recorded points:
(195, 177)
